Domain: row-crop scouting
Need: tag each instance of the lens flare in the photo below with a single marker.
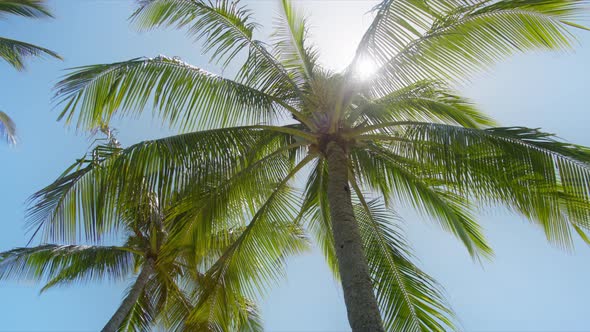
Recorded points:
(365, 69)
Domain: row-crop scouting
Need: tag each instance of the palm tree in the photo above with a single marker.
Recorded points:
(361, 146)
(173, 288)
(14, 52)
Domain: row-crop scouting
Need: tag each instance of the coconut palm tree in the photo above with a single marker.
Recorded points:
(173, 288)
(14, 52)
(360, 145)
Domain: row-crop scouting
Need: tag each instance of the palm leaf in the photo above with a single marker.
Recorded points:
(457, 37)
(64, 264)
(177, 312)
(256, 257)
(384, 171)
(409, 299)
(7, 128)
(141, 317)
(79, 204)
(182, 95)
(14, 52)
(525, 169)
(82, 200)
(396, 24)
(26, 8)
(290, 43)
(424, 101)
(316, 212)
(226, 29)
(202, 211)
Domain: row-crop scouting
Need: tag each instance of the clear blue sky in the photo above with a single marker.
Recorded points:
(529, 286)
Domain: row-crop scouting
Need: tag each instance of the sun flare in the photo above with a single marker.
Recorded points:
(365, 69)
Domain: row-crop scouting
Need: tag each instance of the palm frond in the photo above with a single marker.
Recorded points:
(244, 317)
(527, 170)
(7, 128)
(141, 318)
(256, 258)
(386, 172)
(176, 314)
(316, 213)
(203, 211)
(458, 37)
(26, 8)
(226, 28)
(424, 101)
(14, 52)
(396, 24)
(143, 314)
(184, 96)
(64, 264)
(290, 41)
(90, 190)
(409, 299)
(79, 204)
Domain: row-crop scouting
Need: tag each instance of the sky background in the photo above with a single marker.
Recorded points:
(529, 286)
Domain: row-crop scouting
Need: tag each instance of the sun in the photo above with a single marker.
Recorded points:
(365, 68)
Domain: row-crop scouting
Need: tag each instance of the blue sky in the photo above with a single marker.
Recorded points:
(529, 286)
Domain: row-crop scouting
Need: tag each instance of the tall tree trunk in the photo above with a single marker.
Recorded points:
(361, 305)
(131, 298)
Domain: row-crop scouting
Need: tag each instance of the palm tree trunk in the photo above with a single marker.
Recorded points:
(131, 298)
(361, 305)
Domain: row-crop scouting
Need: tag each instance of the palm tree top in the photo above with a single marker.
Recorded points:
(402, 135)
(197, 278)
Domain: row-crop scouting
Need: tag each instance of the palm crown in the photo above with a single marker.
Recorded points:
(359, 145)
(14, 52)
(179, 286)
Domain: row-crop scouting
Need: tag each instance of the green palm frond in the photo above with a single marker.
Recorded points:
(142, 316)
(409, 299)
(182, 95)
(244, 316)
(426, 101)
(448, 39)
(82, 200)
(228, 25)
(14, 52)
(226, 28)
(396, 24)
(143, 200)
(256, 258)
(66, 210)
(64, 264)
(7, 128)
(525, 169)
(177, 311)
(26, 8)
(316, 213)
(225, 204)
(214, 170)
(160, 294)
(290, 41)
(253, 321)
(386, 172)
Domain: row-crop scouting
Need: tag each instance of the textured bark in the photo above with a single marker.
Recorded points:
(361, 305)
(131, 298)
